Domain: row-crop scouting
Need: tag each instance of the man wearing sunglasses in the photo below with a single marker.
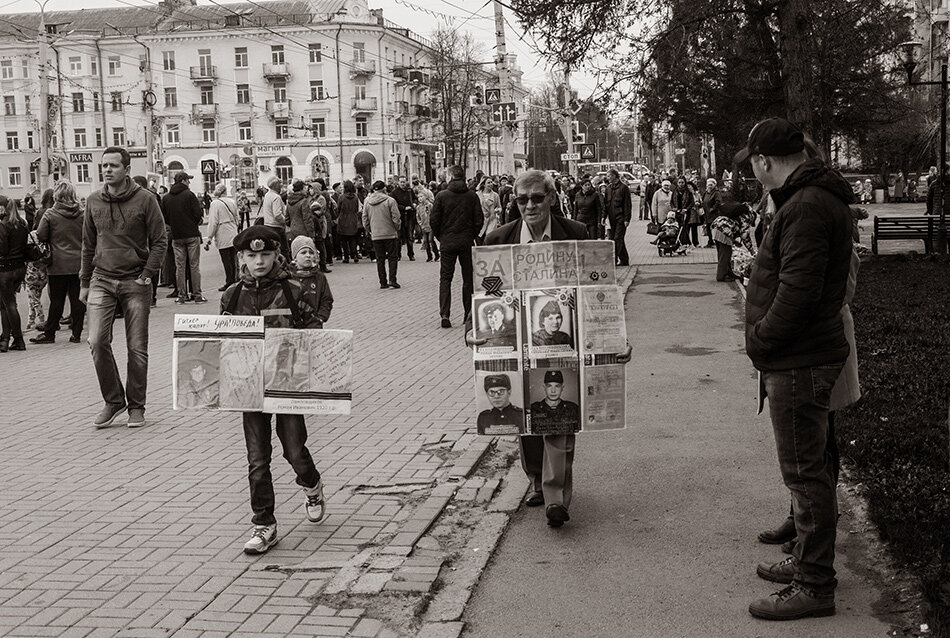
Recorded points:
(547, 459)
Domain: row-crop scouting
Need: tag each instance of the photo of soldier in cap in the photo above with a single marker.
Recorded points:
(552, 411)
(494, 322)
(500, 416)
(197, 373)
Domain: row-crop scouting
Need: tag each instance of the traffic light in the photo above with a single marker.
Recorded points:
(478, 96)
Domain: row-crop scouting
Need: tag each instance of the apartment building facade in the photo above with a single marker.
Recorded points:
(239, 92)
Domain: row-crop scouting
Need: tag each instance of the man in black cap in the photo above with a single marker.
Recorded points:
(498, 332)
(183, 214)
(795, 337)
(502, 412)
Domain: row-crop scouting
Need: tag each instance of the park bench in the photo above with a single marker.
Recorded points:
(922, 228)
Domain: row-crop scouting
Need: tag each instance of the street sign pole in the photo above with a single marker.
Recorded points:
(501, 64)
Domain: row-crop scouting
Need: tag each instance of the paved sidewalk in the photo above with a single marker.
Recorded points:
(139, 533)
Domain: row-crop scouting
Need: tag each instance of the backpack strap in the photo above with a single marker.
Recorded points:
(293, 302)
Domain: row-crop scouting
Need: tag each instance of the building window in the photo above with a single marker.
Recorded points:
(204, 62)
(53, 139)
(172, 134)
(318, 126)
(244, 131)
(79, 136)
(9, 105)
(281, 131)
(243, 94)
(117, 100)
(284, 168)
(168, 60)
(26, 68)
(75, 65)
(232, 21)
(26, 104)
(277, 54)
(316, 53)
(14, 176)
(316, 90)
(96, 102)
(115, 63)
(29, 140)
(362, 127)
(280, 91)
(359, 52)
(171, 97)
(79, 104)
(207, 131)
(118, 136)
(13, 141)
(6, 69)
(99, 137)
(82, 173)
(240, 57)
(93, 66)
(359, 86)
(99, 171)
(207, 95)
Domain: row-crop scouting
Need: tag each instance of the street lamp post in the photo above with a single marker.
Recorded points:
(910, 64)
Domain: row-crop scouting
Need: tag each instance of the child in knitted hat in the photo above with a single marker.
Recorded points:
(305, 269)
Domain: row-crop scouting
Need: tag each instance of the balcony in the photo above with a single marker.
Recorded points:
(400, 108)
(363, 105)
(401, 72)
(204, 74)
(201, 112)
(421, 111)
(362, 68)
(418, 77)
(277, 110)
(276, 71)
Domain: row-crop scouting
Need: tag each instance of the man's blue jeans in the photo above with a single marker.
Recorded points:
(135, 300)
(292, 432)
(798, 405)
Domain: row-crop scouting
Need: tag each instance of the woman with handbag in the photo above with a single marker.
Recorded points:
(61, 229)
(13, 239)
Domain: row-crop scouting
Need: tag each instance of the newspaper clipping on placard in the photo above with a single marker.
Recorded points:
(549, 364)
(308, 371)
(217, 362)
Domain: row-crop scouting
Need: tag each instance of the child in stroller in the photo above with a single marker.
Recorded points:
(667, 241)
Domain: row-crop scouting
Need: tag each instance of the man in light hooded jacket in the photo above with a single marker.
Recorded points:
(382, 220)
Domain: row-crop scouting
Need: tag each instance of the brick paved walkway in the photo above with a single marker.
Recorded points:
(139, 532)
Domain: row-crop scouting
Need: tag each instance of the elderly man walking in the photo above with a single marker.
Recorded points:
(123, 244)
(618, 208)
(795, 336)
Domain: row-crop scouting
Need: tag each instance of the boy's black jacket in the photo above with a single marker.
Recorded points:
(266, 297)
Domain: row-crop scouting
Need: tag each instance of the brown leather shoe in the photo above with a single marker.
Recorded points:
(792, 603)
(784, 532)
(789, 546)
(557, 515)
(534, 499)
(780, 572)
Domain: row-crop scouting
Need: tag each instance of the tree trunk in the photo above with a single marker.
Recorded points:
(794, 42)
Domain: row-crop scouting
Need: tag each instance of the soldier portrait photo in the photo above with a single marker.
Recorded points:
(552, 322)
(554, 396)
(197, 374)
(496, 412)
(495, 322)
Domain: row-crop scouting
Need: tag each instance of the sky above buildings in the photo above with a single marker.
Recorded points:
(421, 16)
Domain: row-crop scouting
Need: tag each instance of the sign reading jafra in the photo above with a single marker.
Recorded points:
(208, 167)
(80, 158)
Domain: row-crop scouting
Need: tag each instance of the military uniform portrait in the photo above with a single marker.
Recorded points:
(552, 323)
(496, 323)
(197, 374)
(554, 394)
(497, 399)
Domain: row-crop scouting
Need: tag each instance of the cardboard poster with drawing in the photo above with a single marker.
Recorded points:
(217, 362)
(308, 371)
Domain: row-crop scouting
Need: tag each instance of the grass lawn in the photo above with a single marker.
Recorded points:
(896, 439)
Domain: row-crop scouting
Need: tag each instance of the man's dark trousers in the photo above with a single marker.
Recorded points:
(292, 432)
(618, 231)
(386, 250)
(407, 232)
(798, 405)
(447, 272)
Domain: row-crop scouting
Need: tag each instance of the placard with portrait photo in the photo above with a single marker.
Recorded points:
(552, 322)
(197, 364)
(554, 397)
(498, 321)
(499, 399)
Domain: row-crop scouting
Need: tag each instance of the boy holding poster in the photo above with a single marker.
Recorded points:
(284, 303)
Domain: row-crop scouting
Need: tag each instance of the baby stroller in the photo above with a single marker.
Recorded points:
(667, 241)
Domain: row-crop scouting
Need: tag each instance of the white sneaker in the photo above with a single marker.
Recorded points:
(262, 539)
(316, 505)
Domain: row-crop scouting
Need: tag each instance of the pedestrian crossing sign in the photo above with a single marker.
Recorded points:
(492, 96)
(588, 152)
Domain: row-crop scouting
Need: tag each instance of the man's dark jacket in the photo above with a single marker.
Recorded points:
(797, 287)
(561, 228)
(588, 207)
(617, 203)
(182, 212)
(456, 217)
(405, 199)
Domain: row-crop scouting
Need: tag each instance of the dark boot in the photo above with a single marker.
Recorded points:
(4, 344)
(792, 603)
(18, 344)
(777, 536)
